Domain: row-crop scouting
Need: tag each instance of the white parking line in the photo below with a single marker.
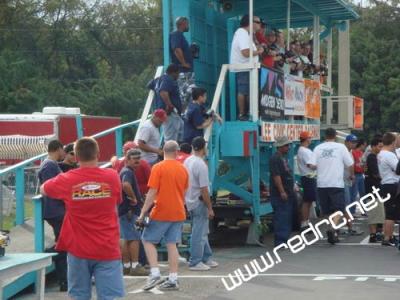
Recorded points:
(285, 275)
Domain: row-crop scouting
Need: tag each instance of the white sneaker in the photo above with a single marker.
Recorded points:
(212, 263)
(182, 260)
(200, 267)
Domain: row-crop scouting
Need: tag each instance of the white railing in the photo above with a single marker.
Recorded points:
(338, 111)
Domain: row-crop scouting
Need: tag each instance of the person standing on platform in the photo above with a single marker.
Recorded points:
(181, 55)
(90, 233)
(240, 54)
(53, 209)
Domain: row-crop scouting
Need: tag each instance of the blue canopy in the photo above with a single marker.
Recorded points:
(302, 11)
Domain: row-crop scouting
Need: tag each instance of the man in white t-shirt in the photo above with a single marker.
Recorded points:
(149, 137)
(307, 166)
(332, 158)
(240, 54)
(387, 163)
(199, 205)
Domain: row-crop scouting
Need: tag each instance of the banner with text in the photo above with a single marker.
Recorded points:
(295, 100)
(313, 99)
(272, 103)
(269, 131)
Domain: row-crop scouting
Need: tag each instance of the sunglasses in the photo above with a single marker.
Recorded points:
(71, 153)
(258, 22)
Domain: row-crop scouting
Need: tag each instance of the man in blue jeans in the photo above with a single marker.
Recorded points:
(199, 205)
(282, 192)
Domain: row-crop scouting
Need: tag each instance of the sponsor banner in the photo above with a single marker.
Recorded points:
(295, 100)
(269, 131)
(313, 99)
(358, 122)
(272, 103)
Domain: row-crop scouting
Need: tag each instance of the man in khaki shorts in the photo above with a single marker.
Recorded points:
(372, 178)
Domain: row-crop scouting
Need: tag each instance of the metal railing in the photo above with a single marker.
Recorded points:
(19, 168)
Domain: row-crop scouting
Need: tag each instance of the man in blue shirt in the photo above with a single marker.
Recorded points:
(54, 210)
(195, 118)
(128, 212)
(167, 97)
(182, 56)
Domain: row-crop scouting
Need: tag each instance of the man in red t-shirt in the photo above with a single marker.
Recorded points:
(358, 184)
(90, 232)
(184, 152)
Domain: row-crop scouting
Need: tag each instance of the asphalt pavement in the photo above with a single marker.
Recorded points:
(352, 269)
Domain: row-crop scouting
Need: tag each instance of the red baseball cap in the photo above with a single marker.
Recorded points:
(128, 146)
(305, 135)
(161, 114)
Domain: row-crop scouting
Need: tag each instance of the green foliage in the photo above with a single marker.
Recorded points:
(96, 55)
(375, 65)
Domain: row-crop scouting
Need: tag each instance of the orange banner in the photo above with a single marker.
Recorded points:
(313, 99)
(358, 104)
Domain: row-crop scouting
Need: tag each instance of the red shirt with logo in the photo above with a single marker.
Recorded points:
(181, 157)
(90, 229)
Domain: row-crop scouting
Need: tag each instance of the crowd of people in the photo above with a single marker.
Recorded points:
(269, 48)
(108, 222)
(333, 176)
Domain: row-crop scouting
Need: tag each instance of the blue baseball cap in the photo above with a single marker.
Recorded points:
(351, 138)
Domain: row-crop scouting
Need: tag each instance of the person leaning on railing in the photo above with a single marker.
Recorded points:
(196, 117)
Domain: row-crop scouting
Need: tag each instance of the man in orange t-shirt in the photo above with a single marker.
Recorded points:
(168, 183)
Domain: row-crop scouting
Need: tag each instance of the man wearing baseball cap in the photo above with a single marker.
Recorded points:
(149, 137)
(198, 203)
(282, 192)
(307, 166)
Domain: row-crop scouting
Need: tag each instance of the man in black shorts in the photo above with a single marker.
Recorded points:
(387, 163)
(332, 158)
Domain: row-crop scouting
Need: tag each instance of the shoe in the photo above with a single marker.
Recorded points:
(332, 237)
(305, 228)
(200, 267)
(211, 263)
(379, 237)
(243, 117)
(387, 243)
(139, 271)
(126, 271)
(372, 238)
(169, 286)
(152, 282)
(182, 260)
(354, 232)
(64, 286)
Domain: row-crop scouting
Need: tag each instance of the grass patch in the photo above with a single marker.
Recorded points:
(9, 221)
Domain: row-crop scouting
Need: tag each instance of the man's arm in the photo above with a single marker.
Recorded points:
(143, 146)
(246, 52)
(165, 97)
(279, 186)
(42, 191)
(128, 190)
(205, 124)
(181, 58)
(207, 201)
(148, 203)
